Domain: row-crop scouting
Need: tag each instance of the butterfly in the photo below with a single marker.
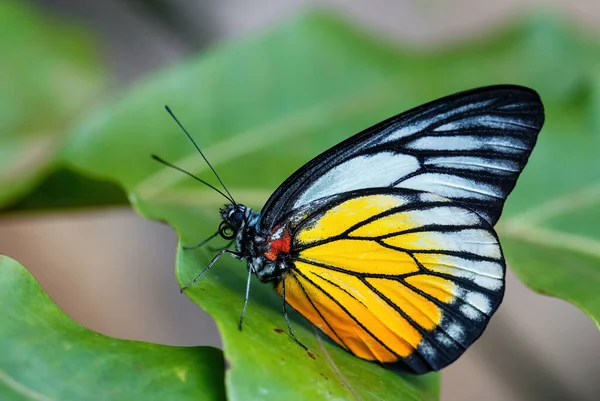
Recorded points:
(385, 242)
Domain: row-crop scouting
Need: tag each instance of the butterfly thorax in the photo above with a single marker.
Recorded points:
(265, 251)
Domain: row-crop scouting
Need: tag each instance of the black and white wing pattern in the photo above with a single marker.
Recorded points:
(469, 147)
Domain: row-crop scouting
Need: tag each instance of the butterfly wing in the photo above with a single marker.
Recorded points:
(394, 254)
(469, 147)
(403, 277)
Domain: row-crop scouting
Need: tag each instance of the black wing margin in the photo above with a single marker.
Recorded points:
(469, 147)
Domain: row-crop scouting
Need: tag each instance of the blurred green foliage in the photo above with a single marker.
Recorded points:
(264, 105)
(50, 72)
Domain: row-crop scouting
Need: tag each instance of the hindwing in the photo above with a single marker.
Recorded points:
(397, 276)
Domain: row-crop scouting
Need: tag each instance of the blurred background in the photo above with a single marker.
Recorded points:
(112, 271)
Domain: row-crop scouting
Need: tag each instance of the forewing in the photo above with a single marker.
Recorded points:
(469, 147)
(397, 276)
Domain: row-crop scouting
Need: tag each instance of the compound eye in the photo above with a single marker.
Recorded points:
(226, 231)
(237, 217)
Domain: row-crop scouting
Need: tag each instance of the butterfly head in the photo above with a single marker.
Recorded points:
(234, 217)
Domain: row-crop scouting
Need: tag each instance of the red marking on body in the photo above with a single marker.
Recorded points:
(279, 245)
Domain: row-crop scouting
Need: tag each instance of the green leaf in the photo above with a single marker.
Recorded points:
(44, 355)
(48, 73)
(262, 107)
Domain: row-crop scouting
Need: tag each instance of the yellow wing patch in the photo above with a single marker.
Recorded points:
(439, 288)
(424, 312)
(350, 310)
(341, 217)
(358, 255)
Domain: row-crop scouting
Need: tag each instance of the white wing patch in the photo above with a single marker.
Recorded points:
(406, 131)
(494, 122)
(479, 301)
(471, 312)
(468, 142)
(501, 166)
(451, 186)
(421, 124)
(455, 331)
(367, 171)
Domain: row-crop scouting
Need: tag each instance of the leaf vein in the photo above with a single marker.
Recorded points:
(21, 388)
(552, 238)
(335, 368)
(555, 207)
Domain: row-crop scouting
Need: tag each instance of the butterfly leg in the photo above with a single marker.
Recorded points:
(247, 296)
(212, 262)
(287, 319)
(189, 248)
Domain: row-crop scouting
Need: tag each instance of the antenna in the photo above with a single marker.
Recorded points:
(201, 154)
(166, 163)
